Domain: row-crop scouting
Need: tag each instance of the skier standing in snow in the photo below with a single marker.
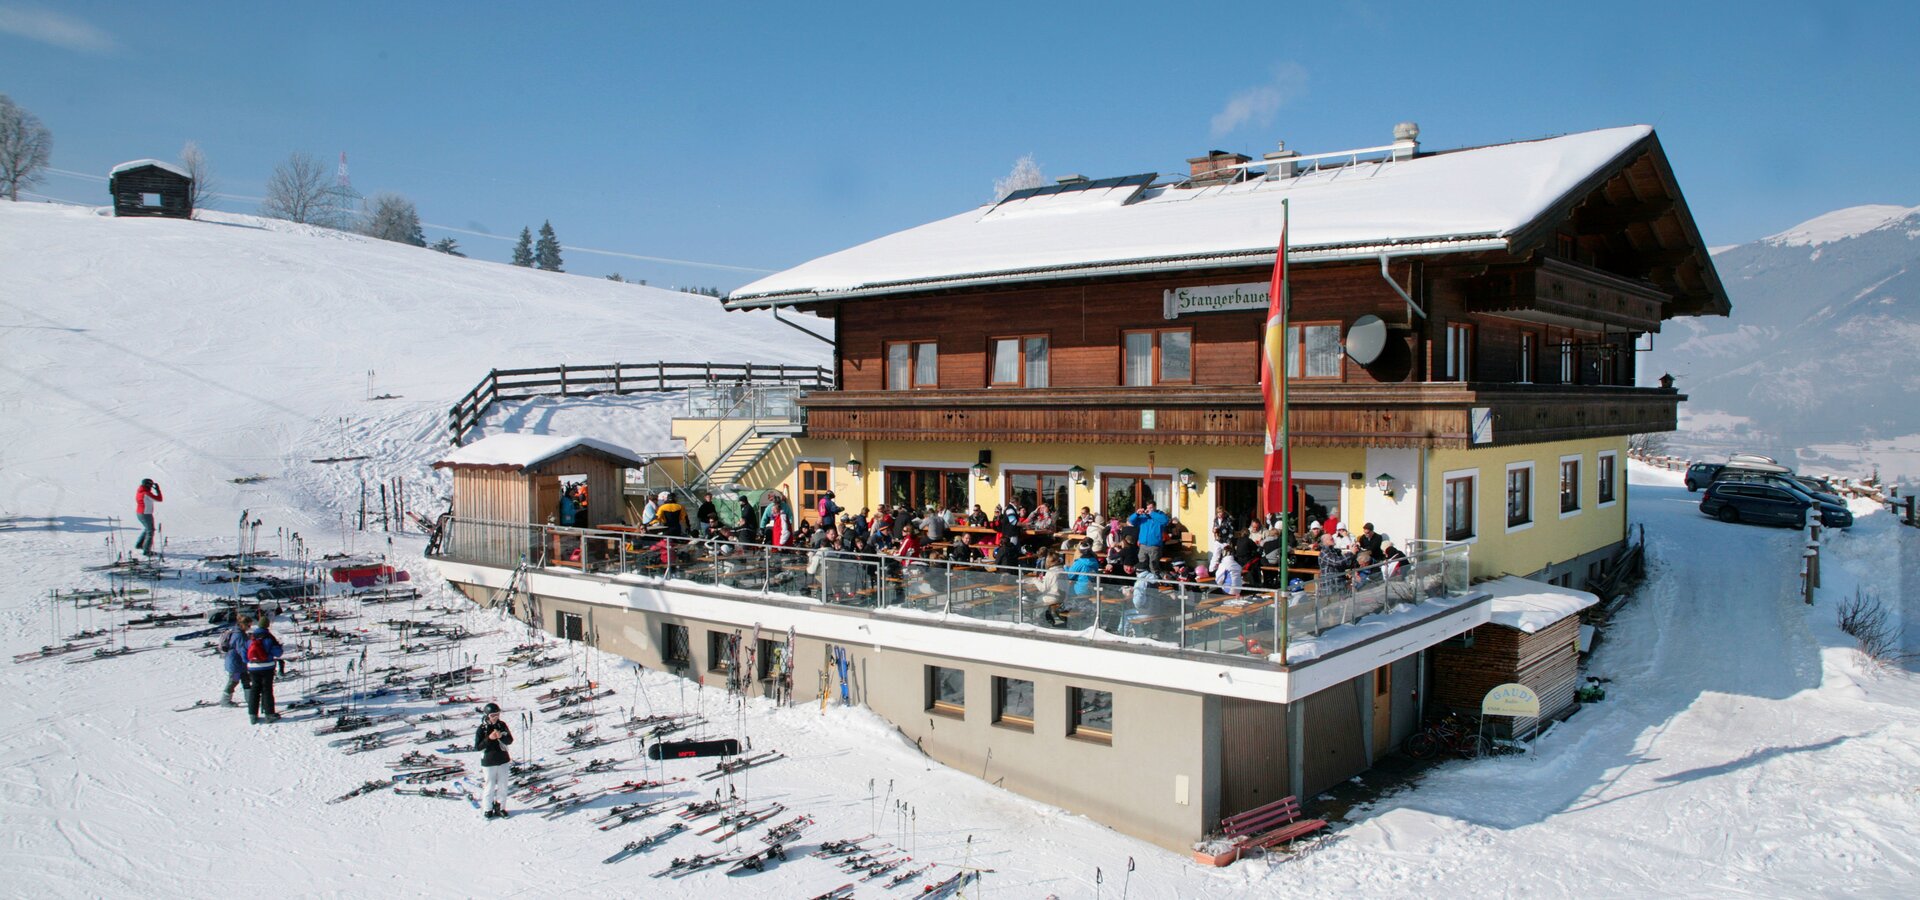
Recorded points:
(145, 501)
(233, 652)
(491, 739)
(263, 654)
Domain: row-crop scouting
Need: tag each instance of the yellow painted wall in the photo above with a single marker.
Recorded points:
(1551, 538)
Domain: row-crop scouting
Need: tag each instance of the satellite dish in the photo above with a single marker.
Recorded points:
(1366, 338)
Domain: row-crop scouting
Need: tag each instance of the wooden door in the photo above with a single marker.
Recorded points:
(814, 479)
(1382, 710)
(546, 499)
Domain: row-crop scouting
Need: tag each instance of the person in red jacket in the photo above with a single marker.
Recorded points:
(145, 501)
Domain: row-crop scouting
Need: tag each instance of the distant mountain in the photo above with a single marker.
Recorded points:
(1820, 360)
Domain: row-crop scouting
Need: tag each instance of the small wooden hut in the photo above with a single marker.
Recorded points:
(149, 187)
(1532, 639)
(510, 480)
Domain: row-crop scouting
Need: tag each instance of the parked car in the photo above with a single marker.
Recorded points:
(1764, 503)
(1700, 475)
(1790, 482)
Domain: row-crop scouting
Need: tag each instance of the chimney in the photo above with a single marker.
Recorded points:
(1213, 168)
(1072, 179)
(1280, 162)
(1406, 140)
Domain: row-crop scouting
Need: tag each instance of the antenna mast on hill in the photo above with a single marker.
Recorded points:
(344, 200)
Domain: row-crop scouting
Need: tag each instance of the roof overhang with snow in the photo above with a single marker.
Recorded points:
(519, 452)
(143, 163)
(1529, 606)
(1506, 198)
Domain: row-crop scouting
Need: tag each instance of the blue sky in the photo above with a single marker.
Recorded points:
(759, 135)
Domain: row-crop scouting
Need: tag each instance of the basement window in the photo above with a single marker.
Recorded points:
(1092, 714)
(1013, 703)
(676, 650)
(719, 658)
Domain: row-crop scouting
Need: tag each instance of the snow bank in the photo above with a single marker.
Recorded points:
(523, 451)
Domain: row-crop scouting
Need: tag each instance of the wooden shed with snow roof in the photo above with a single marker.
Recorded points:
(1532, 639)
(149, 187)
(509, 480)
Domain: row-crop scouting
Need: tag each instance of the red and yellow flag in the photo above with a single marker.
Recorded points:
(1276, 483)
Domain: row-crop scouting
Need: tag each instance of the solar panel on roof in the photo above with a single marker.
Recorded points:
(1143, 178)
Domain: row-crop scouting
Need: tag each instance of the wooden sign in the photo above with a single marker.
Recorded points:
(1511, 699)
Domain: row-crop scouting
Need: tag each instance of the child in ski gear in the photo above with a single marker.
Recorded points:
(146, 501)
(233, 653)
(263, 654)
(491, 739)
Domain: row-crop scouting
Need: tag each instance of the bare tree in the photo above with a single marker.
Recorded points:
(1651, 443)
(391, 217)
(25, 146)
(297, 192)
(1025, 174)
(194, 160)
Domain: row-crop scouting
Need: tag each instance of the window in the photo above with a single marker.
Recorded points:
(1316, 500)
(921, 488)
(1020, 362)
(946, 691)
(1603, 476)
(763, 661)
(1315, 349)
(152, 200)
(1528, 352)
(1569, 486)
(1458, 362)
(1126, 493)
(1013, 703)
(1092, 714)
(1566, 361)
(570, 626)
(719, 652)
(1157, 357)
(1459, 508)
(913, 365)
(1382, 680)
(676, 649)
(1025, 490)
(1519, 495)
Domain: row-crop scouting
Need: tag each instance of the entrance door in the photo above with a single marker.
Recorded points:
(1240, 497)
(546, 499)
(1382, 710)
(815, 479)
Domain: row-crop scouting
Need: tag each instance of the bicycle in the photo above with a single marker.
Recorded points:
(1452, 733)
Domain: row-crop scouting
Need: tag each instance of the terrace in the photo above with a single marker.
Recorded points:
(1191, 619)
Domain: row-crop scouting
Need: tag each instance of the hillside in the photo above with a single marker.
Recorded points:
(196, 352)
(1819, 355)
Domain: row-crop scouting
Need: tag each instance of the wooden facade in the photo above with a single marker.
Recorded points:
(151, 190)
(527, 495)
(1548, 661)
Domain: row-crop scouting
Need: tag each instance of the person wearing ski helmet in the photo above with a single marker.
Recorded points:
(491, 739)
(145, 501)
(263, 656)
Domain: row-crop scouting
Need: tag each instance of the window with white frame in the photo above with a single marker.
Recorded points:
(913, 365)
(1458, 496)
(1020, 361)
(1569, 485)
(1519, 495)
(1458, 364)
(1603, 476)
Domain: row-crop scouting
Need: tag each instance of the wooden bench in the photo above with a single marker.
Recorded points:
(1267, 826)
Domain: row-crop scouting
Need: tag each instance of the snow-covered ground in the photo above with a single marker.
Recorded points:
(1744, 747)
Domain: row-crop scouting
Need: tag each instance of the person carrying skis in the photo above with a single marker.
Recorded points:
(263, 654)
(146, 501)
(233, 652)
(491, 739)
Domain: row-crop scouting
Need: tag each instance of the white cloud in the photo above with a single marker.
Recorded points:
(54, 28)
(1257, 104)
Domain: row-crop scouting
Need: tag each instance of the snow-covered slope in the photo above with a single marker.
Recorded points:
(195, 352)
(1840, 225)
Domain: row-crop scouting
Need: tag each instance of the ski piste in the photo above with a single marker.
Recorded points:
(740, 765)
(378, 784)
(644, 844)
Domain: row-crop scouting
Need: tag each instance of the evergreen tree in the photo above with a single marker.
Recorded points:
(391, 217)
(449, 246)
(546, 253)
(523, 251)
(615, 277)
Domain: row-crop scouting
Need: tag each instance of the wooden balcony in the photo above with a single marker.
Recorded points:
(1557, 292)
(1323, 415)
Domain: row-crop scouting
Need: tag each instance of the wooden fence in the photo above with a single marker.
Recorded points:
(617, 378)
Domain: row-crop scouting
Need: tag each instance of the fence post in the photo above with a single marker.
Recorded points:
(1910, 517)
(749, 372)
(616, 379)
(660, 376)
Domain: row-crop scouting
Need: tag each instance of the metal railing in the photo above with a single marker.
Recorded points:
(1115, 610)
(619, 378)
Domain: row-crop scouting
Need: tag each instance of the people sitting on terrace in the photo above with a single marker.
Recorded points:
(858, 524)
(1362, 572)
(1083, 521)
(776, 522)
(827, 510)
(1006, 553)
(1041, 519)
(1124, 558)
(1369, 540)
(1098, 539)
(1392, 560)
(1229, 575)
(670, 518)
(1085, 569)
(1276, 557)
(1223, 532)
(1333, 561)
(1343, 540)
(977, 518)
(1051, 586)
(963, 551)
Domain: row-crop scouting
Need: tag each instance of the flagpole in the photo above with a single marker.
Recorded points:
(1286, 440)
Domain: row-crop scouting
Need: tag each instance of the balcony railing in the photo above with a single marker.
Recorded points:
(1113, 611)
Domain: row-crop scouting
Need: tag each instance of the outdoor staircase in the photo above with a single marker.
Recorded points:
(745, 453)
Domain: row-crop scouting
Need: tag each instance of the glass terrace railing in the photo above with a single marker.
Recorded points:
(1115, 610)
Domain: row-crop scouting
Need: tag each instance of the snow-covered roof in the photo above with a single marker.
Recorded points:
(1462, 200)
(141, 163)
(524, 451)
(1529, 605)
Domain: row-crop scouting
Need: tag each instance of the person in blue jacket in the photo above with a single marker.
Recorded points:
(1151, 524)
(262, 655)
(233, 652)
(1082, 571)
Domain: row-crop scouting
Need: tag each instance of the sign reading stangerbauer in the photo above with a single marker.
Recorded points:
(1186, 301)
